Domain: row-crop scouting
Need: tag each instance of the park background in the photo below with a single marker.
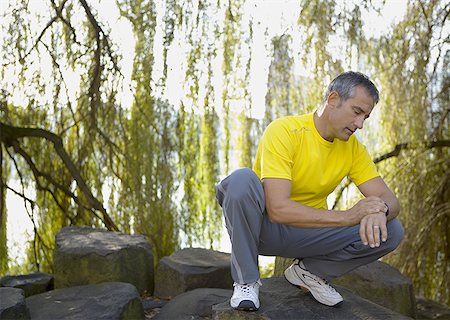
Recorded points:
(125, 114)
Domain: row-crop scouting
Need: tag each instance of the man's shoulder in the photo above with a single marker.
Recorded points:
(294, 122)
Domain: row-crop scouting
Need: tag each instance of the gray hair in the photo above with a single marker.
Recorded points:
(345, 84)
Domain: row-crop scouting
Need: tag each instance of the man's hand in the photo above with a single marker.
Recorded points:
(371, 213)
(370, 228)
(367, 206)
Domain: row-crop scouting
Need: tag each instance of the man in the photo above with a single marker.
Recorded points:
(279, 207)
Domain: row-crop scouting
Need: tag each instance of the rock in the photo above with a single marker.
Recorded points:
(109, 300)
(429, 309)
(87, 256)
(382, 284)
(151, 303)
(280, 300)
(194, 305)
(12, 304)
(192, 268)
(378, 282)
(31, 284)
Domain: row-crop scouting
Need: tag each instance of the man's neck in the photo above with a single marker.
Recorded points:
(320, 122)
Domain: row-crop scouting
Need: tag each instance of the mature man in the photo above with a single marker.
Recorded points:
(279, 207)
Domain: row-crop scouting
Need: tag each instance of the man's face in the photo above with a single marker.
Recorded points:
(349, 115)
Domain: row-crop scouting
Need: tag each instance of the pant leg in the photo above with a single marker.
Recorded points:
(356, 254)
(241, 197)
(326, 252)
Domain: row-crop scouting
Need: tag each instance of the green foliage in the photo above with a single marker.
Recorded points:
(411, 111)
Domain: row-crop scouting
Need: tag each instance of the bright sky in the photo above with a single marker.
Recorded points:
(277, 16)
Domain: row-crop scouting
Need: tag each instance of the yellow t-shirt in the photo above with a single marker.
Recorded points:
(292, 148)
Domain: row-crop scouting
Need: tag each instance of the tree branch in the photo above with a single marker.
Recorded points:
(10, 134)
(393, 153)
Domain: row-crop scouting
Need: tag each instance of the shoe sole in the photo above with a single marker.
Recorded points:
(302, 285)
(246, 305)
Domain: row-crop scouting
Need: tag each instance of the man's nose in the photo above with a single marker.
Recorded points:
(360, 122)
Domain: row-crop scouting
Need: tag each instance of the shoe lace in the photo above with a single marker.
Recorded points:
(328, 286)
(248, 288)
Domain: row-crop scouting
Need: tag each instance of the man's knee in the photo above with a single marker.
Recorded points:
(240, 184)
(395, 233)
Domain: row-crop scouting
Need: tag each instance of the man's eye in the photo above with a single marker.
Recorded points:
(356, 111)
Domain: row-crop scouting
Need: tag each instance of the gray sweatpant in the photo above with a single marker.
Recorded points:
(326, 252)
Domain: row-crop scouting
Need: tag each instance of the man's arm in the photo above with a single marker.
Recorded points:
(285, 211)
(377, 187)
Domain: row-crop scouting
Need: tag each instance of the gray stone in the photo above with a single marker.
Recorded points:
(194, 305)
(12, 304)
(109, 300)
(383, 284)
(377, 282)
(150, 303)
(31, 284)
(280, 300)
(87, 256)
(432, 310)
(192, 268)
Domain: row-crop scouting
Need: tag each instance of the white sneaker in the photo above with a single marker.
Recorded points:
(246, 296)
(297, 275)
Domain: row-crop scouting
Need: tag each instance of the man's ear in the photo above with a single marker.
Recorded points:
(333, 99)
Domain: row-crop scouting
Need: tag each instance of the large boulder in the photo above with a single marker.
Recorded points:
(12, 304)
(378, 282)
(88, 256)
(383, 284)
(194, 305)
(109, 300)
(431, 310)
(192, 268)
(280, 300)
(31, 284)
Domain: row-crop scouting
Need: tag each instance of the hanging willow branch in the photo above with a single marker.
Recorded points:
(393, 153)
(10, 135)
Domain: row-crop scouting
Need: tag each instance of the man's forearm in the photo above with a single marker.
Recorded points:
(298, 215)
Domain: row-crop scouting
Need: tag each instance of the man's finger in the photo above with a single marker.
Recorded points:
(362, 232)
(383, 232)
(369, 233)
(376, 234)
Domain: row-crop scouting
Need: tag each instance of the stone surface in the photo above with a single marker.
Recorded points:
(31, 284)
(432, 310)
(152, 303)
(378, 282)
(194, 305)
(383, 284)
(109, 300)
(87, 256)
(280, 300)
(192, 268)
(12, 304)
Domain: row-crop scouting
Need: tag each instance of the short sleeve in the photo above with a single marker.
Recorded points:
(277, 152)
(363, 168)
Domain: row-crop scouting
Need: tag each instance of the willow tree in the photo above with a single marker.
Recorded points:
(149, 170)
(411, 65)
(203, 220)
(245, 140)
(232, 49)
(282, 98)
(53, 140)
